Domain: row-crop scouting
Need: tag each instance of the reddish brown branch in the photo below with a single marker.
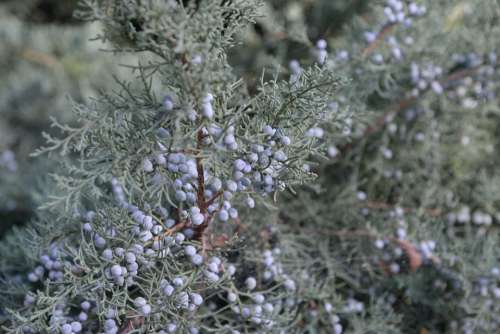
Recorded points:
(168, 232)
(200, 196)
(214, 197)
(201, 230)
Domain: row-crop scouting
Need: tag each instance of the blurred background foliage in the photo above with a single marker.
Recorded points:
(47, 60)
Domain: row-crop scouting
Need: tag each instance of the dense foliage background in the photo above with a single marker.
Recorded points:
(235, 166)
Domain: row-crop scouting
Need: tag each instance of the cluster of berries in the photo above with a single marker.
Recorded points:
(8, 160)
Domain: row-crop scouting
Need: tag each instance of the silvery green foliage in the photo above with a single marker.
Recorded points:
(406, 214)
(143, 234)
(399, 234)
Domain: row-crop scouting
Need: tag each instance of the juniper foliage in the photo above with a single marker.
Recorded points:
(353, 190)
(143, 231)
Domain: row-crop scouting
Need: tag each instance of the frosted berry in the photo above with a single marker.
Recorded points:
(147, 165)
(189, 250)
(197, 299)
(66, 329)
(168, 103)
(251, 283)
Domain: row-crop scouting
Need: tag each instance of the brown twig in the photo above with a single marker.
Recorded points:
(39, 58)
(185, 150)
(404, 104)
(380, 121)
(414, 256)
(436, 212)
(201, 231)
(415, 259)
(214, 197)
(133, 322)
(380, 36)
(200, 194)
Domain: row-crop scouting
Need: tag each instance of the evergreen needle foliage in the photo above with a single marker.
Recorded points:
(354, 190)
